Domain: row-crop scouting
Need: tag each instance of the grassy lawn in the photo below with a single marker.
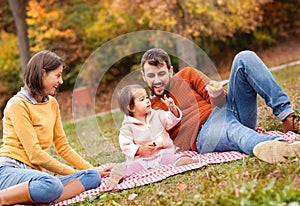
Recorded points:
(243, 182)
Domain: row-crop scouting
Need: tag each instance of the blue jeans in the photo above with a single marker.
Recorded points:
(43, 187)
(232, 127)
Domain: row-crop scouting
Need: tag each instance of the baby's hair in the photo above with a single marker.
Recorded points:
(126, 97)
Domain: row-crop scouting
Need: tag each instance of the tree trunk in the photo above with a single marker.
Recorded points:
(186, 52)
(184, 47)
(18, 8)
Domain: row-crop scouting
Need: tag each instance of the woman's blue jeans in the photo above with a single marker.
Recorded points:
(232, 127)
(43, 187)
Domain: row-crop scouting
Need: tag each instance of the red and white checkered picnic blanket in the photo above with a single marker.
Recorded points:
(158, 174)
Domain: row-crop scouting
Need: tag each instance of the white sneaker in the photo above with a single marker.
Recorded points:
(186, 160)
(276, 151)
(116, 174)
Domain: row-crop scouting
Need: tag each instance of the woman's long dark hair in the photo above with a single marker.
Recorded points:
(32, 75)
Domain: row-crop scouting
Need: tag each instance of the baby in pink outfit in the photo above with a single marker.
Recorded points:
(143, 135)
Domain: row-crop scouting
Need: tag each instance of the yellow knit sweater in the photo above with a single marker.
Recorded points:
(28, 131)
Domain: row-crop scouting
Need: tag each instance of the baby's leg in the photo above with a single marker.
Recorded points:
(116, 174)
(169, 158)
(177, 159)
(133, 168)
(185, 160)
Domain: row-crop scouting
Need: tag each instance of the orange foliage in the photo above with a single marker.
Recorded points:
(44, 25)
(217, 19)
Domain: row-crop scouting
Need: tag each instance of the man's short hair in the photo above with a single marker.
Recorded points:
(156, 57)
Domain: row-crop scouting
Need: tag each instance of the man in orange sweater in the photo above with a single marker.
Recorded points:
(216, 120)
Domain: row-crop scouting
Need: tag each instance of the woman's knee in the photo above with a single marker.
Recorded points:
(46, 189)
(90, 179)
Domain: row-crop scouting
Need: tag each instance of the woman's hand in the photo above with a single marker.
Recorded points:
(104, 172)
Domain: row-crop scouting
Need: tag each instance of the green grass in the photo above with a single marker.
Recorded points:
(243, 182)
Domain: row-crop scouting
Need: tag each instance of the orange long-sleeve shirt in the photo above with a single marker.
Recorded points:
(28, 131)
(187, 88)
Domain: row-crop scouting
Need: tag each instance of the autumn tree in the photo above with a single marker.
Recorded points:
(197, 20)
(18, 8)
(202, 20)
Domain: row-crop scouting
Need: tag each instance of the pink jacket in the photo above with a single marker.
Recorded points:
(134, 133)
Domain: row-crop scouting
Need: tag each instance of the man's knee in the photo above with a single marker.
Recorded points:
(246, 54)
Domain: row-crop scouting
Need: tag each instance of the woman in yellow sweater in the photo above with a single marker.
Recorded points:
(31, 123)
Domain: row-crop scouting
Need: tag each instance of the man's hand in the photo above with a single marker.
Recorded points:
(216, 92)
(215, 88)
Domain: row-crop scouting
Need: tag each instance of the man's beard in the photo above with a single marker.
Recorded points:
(165, 90)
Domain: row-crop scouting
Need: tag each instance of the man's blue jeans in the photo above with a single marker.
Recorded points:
(232, 127)
(43, 187)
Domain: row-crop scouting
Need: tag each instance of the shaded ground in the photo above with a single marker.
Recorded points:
(281, 53)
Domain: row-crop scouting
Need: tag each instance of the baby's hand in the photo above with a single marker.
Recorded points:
(146, 149)
(168, 101)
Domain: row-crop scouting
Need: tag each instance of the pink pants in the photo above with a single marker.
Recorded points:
(143, 164)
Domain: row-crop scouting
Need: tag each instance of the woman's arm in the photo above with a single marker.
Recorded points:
(63, 147)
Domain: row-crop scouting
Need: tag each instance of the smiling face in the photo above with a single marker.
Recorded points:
(43, 74)
(142, 104)
(157, 77)
(52, 79)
